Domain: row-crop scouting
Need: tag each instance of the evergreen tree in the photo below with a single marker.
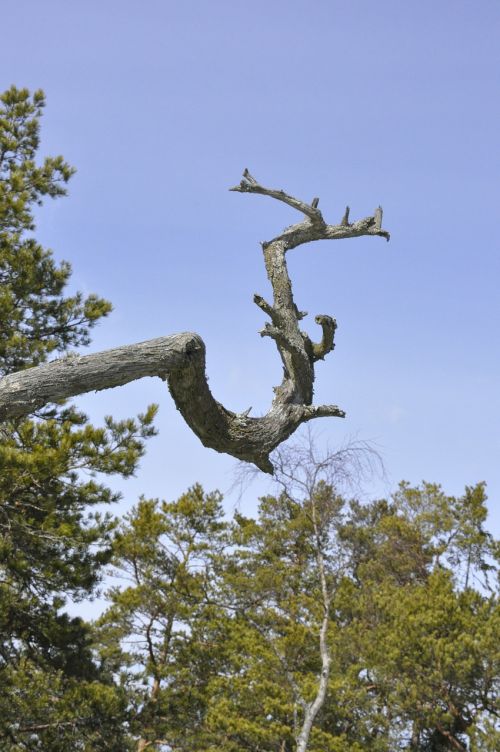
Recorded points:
(162, 632)
(36, 318)
(220, 625)
(425, 581)
(382, 618)
(52, 546)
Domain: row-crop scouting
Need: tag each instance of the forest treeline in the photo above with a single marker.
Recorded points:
(323, 623)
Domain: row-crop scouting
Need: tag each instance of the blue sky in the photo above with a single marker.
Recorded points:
(160, 106)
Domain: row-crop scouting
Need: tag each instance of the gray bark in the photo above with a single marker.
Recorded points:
(179, 359)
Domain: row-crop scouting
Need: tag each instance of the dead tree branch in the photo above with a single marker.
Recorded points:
(179, 359)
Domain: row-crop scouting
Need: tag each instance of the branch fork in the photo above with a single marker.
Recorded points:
(179, 359)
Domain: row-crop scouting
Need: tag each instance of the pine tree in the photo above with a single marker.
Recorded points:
(163, 629)
(52, 546)
(217, 632)
(424, 617)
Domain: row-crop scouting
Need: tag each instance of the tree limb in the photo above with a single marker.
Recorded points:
(179, 359)
(250, 185)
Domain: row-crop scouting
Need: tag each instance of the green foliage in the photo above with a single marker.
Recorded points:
(211, 638)
(49, 709)
(52, 544)
(35, 316)
(155, 632)
(428, 656)
(217, 631)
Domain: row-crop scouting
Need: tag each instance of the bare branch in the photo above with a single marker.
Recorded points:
(180, 359)
(23, 392)
(326, 345)
(300, 465)
(250, 185)
(309, 412)
(35, 727)
(314, 227)
(264, 305)
(297, 352)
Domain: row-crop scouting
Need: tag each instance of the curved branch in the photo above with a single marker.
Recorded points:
(179, 359)
(326, 345)
(24, 392)
(297, 352)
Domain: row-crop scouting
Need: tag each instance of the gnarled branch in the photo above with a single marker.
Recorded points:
(179, 359)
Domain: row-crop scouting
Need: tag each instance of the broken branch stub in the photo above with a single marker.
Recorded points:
(179, 359)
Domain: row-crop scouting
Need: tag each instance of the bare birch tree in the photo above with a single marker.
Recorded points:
(313, 480)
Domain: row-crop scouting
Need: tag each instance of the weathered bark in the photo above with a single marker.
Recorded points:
(180, 359)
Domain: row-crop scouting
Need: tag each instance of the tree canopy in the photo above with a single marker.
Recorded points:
(226, 630)
(322, 624)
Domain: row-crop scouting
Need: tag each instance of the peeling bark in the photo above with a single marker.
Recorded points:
(179, 359)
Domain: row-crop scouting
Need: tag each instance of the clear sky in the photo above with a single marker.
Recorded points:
(161, 104)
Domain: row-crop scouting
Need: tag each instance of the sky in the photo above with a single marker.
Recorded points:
(160, 105)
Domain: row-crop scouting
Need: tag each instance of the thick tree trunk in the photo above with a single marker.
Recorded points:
(179, 359)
